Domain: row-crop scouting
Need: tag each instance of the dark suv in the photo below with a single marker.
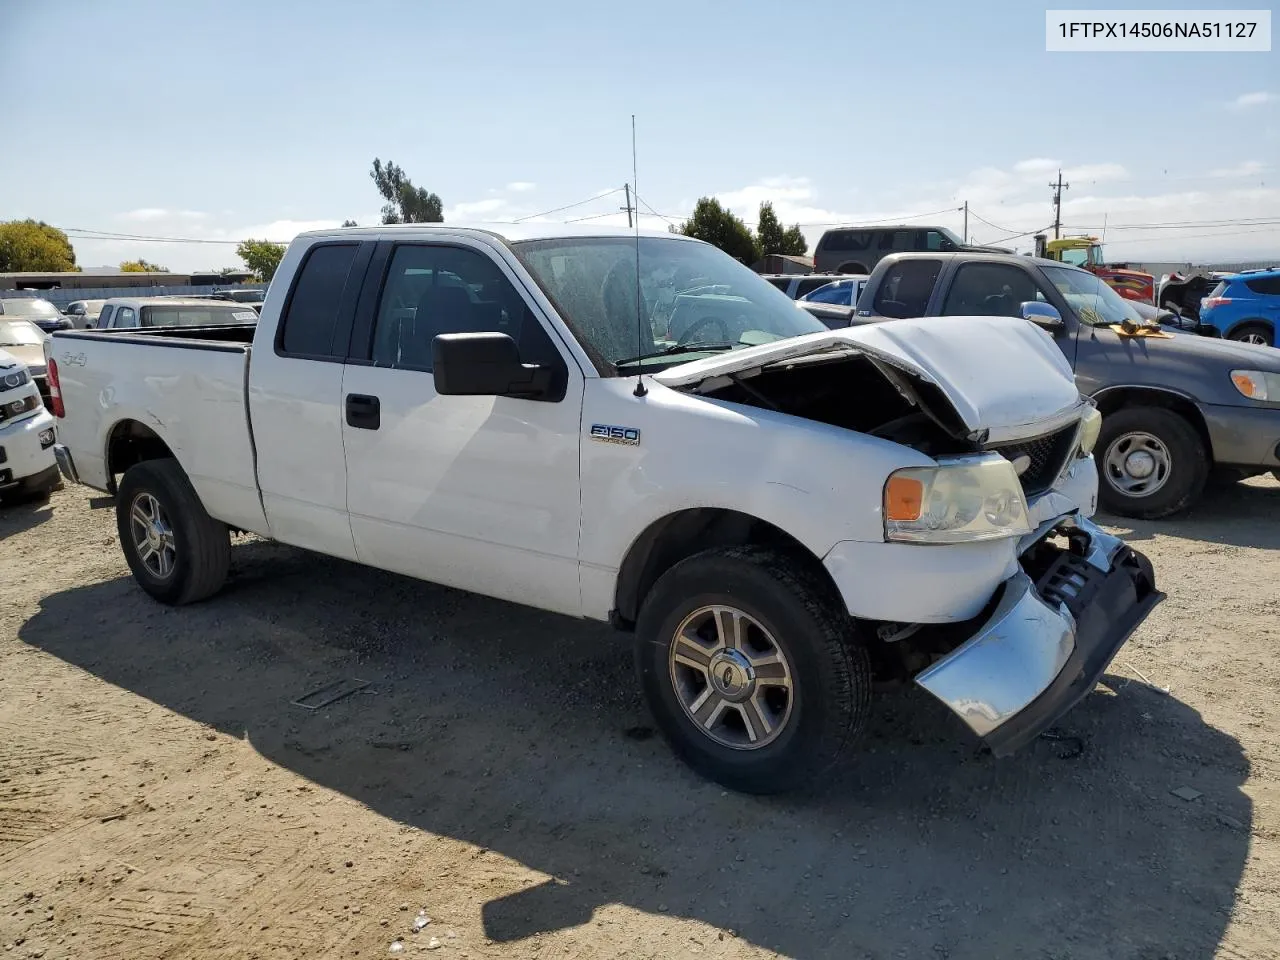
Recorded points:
(859, 249)
(1175, 406)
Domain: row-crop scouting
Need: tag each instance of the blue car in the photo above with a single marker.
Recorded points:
(843, 292)
(1244, 307)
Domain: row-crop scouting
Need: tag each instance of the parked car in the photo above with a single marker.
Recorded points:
(1244, 307)
(131, 312)
(841, 293)
(39, 311)
(858, 249)
(27, 433)
(240, 296)
(770, 506)
(84, 313)
(1175, 405)
(24, 341)
(796, 285)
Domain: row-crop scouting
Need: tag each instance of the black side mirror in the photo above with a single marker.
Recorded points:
(1043, 315)
(486, 365)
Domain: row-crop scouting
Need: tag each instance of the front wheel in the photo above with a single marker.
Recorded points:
(1153, 463)
(1257, 333)
(751, 668)
(177, 552)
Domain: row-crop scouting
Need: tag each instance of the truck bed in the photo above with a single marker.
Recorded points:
(118, 388)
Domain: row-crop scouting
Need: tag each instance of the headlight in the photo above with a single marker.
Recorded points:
(958, 501)
(1090, 426)
(1257, 385)
(14, 378)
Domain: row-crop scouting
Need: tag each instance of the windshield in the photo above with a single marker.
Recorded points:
(20, 333)
(1093, 301)
(28, 307)
(693, 298)
(210, 316)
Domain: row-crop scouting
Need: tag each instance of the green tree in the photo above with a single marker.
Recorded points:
(768, 230)
(261, 256)
(142, 266)
(717, 226)
(793, 242)
(350, 223)
(34, 246)
(405, 202)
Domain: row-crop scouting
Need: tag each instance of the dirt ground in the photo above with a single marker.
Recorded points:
(161, 795)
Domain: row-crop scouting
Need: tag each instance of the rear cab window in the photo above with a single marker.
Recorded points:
(309, 322)
(905, 289)
(187, 316)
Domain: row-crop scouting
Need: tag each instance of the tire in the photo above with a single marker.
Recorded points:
(200, 545)
(787, 604)
(1186, 470)
(1253, 332)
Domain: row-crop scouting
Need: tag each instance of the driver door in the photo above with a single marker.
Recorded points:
(475, 492)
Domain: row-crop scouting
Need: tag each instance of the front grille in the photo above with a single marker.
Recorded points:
(42, 384)
(1047, 455)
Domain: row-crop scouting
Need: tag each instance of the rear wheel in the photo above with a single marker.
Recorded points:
(177, 552)
(751, 668)
(1153, 463)
(1258, 333)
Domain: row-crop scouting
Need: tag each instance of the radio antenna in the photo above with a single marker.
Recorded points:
(640, 391)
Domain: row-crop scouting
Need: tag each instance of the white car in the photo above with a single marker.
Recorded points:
(27, 434)
(128, 313)
(775, 509)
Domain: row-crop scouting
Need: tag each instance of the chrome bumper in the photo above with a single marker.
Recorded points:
(66, 465)
(1048, 641)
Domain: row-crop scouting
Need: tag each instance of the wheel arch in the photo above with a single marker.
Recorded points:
(129, 442)
(1125, 395)
(1251, 321)
(852, 267)
(680, 535)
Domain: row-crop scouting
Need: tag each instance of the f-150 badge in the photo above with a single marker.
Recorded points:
(607, 433)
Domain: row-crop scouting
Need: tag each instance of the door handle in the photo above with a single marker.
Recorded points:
(363, 412)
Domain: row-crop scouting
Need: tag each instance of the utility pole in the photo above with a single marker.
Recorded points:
(627, 187)
(966, 223)
(1057, 189)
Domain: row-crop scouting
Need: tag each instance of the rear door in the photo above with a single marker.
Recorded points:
(475, 492)
(295, 401)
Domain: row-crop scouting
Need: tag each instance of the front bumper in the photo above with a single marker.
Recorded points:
(26, 449)
(1048, 640)
(1244, 436)
(66, 465)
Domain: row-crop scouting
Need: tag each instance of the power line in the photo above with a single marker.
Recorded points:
(995, 226)
(87, 234)
(569, 206)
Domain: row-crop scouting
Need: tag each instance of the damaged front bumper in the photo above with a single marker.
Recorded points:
(1053, 632)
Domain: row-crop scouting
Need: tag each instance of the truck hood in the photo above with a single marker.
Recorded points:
(1000, 374)
(1193, 348)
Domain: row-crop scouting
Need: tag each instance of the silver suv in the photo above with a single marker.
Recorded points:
(859, 249)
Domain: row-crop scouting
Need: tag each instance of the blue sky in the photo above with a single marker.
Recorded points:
(221, 121)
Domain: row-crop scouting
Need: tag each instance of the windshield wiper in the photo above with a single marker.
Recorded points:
(678, 348)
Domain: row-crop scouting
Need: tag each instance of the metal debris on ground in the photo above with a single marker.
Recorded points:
(396, 947)
(1145, 679)
(434, 943)
(330, 692)
(420, 921)
(1186, 793)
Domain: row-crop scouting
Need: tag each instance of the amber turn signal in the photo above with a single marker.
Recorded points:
(903, 498)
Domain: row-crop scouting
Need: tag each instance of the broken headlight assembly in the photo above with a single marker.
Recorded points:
(1090, 427)
(961, 500)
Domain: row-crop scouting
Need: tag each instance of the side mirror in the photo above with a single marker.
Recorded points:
(485, 365)
(1043, 315)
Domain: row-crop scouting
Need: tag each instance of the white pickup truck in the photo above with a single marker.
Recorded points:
(640, 430)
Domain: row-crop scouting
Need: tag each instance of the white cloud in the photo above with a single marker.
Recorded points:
(1036, 165)
(521, 186)
(1256, 99)
(1247, 168)
(153, 214)
(475, 209)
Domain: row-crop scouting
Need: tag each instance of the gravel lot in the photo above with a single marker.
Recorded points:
(160, 795)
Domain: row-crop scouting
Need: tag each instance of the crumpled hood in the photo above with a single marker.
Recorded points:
(999, 373)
